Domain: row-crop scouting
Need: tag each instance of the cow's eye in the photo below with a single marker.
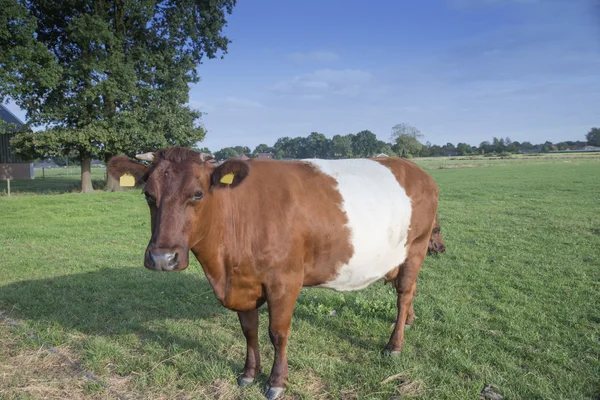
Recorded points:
(149, 198)
(198, 195)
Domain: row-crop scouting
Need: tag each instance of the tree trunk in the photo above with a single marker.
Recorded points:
(86, 175)
(112, 184)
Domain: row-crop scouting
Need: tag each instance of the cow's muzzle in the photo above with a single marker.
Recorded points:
(162, 261)
(436, 248)
(166, 258)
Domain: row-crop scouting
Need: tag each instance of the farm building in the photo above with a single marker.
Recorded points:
(6, 153)
(11, 166)
(265, 155)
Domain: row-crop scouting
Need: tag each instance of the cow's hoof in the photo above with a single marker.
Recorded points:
(244, 381)
(273, 393)
(391, 353)
(406, 326)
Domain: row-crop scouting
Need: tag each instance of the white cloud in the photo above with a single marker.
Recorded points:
(314, 56)
(346, 82)
(238, 102)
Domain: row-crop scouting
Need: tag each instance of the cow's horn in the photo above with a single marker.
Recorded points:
(206, 157)
(145, 156)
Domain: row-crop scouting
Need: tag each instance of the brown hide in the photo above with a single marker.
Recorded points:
(283, 220)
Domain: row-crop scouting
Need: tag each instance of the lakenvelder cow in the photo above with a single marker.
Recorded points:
(262, 229)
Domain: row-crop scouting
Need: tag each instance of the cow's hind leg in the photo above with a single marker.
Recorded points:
(406, 287)
(249, 322)
(410, 318)
(281, 300)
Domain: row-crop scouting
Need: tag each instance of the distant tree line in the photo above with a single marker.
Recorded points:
(404, 142)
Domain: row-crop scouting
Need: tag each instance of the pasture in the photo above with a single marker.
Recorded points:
(514, 302)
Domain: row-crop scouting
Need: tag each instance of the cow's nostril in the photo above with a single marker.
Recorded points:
(173, 260)
(163, 261)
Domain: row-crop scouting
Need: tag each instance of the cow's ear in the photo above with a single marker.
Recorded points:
(121, 167)
(229, 174)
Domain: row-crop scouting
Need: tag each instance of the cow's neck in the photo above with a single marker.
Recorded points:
(220, 237)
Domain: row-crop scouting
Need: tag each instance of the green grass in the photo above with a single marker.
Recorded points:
(514, 302)
(478, 161)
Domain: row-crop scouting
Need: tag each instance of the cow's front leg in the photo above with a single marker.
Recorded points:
(281, 307)
(249, 322)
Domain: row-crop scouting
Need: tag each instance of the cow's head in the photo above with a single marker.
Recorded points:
(179, 186)
(436, 241)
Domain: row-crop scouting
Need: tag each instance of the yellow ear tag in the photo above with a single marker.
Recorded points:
(227, 179)
(127, 180)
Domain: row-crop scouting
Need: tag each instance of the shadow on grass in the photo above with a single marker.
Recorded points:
(154, 306)
(111, 299)
(116, 301)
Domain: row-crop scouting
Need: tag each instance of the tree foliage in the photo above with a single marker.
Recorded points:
(262, 148)
(406, 140)
(463, 149)
(107, 77)
(341, 146)
(229, 152)
(593, 137)
(364, 144)
(317, 145)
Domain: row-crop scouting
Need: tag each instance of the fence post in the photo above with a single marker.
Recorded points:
(43, 173)
(8, 186)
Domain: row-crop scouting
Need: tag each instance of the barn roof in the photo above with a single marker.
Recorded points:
(9, 117)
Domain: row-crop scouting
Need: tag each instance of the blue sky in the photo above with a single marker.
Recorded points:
(459, 70)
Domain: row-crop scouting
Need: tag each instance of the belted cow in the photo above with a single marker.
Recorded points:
(263, 229)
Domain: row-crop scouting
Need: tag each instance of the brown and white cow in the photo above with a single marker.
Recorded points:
(263, 229)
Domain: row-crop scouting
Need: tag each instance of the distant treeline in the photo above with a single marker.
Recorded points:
(404, 143)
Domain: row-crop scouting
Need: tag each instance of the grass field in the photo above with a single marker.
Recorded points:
(476, 161)
(514, 302)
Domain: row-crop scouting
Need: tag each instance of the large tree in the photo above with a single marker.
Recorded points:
(406, 140)
(593, 137)
(108, 76)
